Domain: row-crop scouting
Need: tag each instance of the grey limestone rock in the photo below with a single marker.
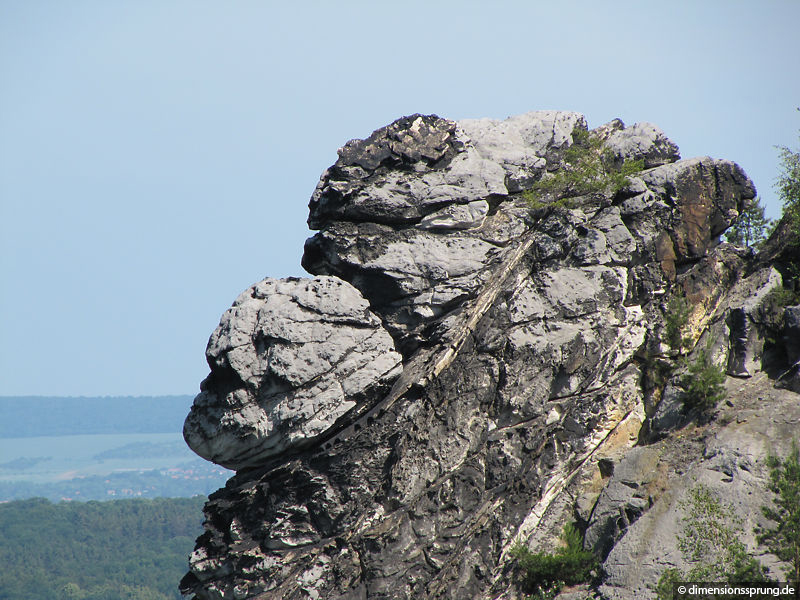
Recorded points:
(288, 359)
(523, 145)
(464, 371)
(402, 172)
(737, 324)
(381, 220)
(729, 458)
(791, 319)
(643, 141)
(623, 499)
(669, 414)
(457, 216)
(790, 378)
(746, 330)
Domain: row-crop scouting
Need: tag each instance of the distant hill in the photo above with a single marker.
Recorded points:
(184, 480)
(29, 416)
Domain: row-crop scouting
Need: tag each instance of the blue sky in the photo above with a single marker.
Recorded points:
(156, 157)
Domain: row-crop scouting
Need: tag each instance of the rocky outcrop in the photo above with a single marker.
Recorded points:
(465, 371)
(288, 359)
(641, 141)
(728, 456)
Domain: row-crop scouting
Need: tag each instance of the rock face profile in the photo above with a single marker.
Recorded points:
(288, 359)
(479, 359)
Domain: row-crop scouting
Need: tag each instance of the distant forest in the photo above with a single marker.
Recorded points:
(123, 549)
(29, 416)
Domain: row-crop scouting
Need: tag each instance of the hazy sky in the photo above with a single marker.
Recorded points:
(156, 157)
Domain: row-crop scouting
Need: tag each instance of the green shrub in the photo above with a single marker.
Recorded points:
(537, 204)
(588, 169)
(619, 179)
(783, 539)
(703, 384)
(788, 185)
(675, 321)
(545, 574)
(710, 541)
(665, 586)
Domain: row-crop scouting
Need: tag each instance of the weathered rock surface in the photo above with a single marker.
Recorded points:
(530, 386)
(729, 457)
(288, 359)
(641, 141)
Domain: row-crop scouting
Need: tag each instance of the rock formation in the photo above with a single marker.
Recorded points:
(466, 371)
(288, 359)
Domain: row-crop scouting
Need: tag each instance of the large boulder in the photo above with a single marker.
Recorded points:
(641, 141)
(289, 358)
(384, 207)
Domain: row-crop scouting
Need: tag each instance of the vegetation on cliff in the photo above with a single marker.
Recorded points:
(752, 226)
(710, 538)
(545, 574)
(676, 318)
(783, 539)
(710, 541)
(588, 168)
(703, 383)
(788, 185)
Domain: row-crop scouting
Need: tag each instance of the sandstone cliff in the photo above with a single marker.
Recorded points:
(464, 371)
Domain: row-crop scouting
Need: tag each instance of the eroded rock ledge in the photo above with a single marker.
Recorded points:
(289, 358)
(460, 365)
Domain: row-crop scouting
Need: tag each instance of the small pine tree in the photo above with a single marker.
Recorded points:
(784, 539)
(704, 383)
(587, 168)
(751, 227)
(675, 320)
(545, 574)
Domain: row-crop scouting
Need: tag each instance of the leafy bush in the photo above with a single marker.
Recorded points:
(709, 540)
(588, 169)
(788, 185)
(545, 574)
(783, 540)
(703, 384)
